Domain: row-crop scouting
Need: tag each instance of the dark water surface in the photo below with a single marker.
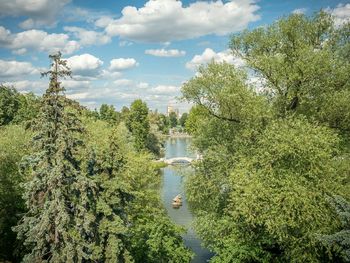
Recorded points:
(173, 185)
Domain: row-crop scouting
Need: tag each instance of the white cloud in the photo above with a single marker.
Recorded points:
(78, 96)
(37, 40)
(157, 96)
(341, 14)
(85, 65)
(125, 43)
(165, 52)
(37, 87)
(165, 89)
(106, 74)
(103, 21)
(5, 37)
(14, 69)
(143, 85)
(299, 11)
(118, 64)
(88, 37)
(40, 12)
(168, 20)
(131, 85)
(123, 82)
(71, 84)
(209, 55)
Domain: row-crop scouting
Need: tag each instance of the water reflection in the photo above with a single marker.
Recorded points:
(173, 185)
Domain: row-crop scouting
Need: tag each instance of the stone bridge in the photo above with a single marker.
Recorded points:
(179, 160)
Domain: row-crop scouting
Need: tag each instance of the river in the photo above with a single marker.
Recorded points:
(173, 185)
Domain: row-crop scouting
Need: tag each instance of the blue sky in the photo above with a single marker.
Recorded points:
(123, 50)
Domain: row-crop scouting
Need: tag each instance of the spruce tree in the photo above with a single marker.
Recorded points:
(58, 226)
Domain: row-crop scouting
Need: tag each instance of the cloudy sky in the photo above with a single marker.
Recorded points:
(123, 50)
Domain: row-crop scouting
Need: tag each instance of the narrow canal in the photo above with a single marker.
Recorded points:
(173, 185)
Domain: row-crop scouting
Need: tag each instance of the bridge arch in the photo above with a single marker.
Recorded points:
(179, 160)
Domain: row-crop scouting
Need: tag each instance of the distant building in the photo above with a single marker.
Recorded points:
(172, 109)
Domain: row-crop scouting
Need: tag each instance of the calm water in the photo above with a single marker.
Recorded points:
(173, 185)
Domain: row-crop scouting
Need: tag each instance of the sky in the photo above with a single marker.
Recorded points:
(120, 51)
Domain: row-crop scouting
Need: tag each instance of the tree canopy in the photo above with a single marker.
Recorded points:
(76, 191)
(273, 151)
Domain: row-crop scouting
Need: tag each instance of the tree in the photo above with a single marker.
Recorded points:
(265, 179)
(112, 199)
(129, 201)
(272, 154)
(16, 107)
(153, 144)
(9, 104)
(173, 119)
(58, 226)
(163, 124)
(124, 113)
(183, 119)
(14, 142)
(153, 237)
(340, 241)
(302, 69)
(138, 124)
(29, 106)
(109, 114)
(280, 188)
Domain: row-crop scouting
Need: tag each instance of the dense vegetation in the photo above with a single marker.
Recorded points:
(84, 188)
(273, 185)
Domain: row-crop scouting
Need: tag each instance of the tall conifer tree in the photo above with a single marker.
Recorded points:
(58, 225)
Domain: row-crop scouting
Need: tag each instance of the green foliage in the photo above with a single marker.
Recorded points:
(163, 124)
(227, 111)
(153, 238)
(13, 146)
(58, 226)
(172, 119)
(9, 104)
(111, 216)
(129, 191)
(124, 113)
(16, 107)
(280, 187)
(221, 90)
(138, 124)
(272, 156)
(299, 59)
(340, 241)
(153, 144)
(183, 119)
(109, 114)
(28, 109)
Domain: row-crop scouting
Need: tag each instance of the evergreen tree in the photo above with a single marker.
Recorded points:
(58, 224)
(340, 241)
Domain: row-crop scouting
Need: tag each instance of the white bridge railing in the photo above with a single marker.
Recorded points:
(180, 160)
